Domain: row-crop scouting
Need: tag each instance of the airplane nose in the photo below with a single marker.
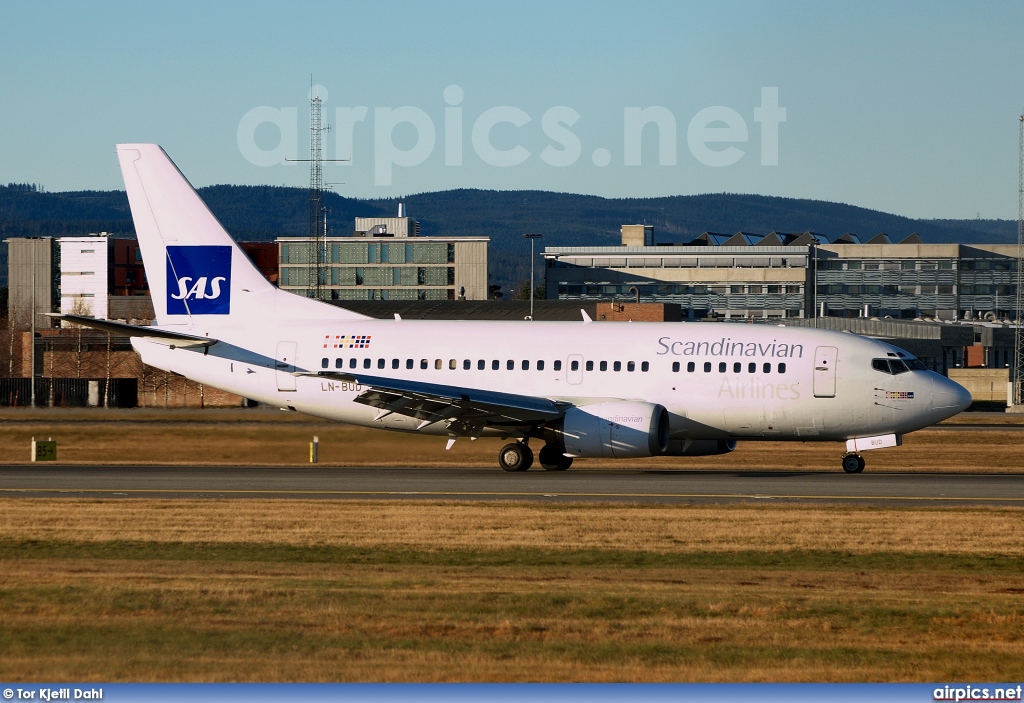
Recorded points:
(949, 395)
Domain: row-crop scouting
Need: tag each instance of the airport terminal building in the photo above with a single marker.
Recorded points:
(784, 275)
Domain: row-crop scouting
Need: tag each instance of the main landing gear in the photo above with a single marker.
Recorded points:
(517, 456)
(853, 463)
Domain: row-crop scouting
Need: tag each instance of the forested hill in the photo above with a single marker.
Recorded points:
(266, 212)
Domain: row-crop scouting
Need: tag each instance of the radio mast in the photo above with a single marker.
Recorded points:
(1017, 372)
(317, 216)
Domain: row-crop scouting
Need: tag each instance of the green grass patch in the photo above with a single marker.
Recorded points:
(796, 560)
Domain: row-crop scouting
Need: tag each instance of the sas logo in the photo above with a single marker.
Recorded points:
(198, 280)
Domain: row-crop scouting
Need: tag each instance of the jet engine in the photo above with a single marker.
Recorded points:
(700, 447)
(620, 429)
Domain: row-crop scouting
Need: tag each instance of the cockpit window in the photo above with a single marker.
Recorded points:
(896, 366)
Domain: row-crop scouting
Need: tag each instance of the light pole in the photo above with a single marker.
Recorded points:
(532, 237)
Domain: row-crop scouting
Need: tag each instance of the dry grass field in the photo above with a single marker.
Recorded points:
(268, 437)
(182, 590)
(292, 590)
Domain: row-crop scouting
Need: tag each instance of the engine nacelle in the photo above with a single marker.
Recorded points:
(620, 429)
(700, 447)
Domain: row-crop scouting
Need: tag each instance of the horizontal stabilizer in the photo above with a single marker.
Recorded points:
(152, 334)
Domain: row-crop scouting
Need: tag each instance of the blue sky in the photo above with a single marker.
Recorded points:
(909, 108)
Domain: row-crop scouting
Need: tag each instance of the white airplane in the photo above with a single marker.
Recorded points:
(582, 389)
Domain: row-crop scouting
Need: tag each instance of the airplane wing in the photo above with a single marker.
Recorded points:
(465, 410)
(174, 339)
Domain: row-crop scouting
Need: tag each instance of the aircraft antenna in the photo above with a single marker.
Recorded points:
(1017, 373)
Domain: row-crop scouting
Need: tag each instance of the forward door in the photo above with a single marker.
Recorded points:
(825, 372)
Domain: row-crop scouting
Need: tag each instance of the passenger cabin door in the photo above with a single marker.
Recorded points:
(825, 372)
(285, 365)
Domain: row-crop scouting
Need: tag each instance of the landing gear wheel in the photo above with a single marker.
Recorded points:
(853, 463)
(515, 456)
(551, 459)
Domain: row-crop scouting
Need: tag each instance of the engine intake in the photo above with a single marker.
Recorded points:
(620, 429)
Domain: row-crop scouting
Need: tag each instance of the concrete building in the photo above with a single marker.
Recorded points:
(85, 275)
(387, 260)
(33, 275)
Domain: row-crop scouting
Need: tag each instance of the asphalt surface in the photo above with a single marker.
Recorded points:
(647, 486)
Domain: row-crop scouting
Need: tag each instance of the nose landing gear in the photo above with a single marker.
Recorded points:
(853, 463)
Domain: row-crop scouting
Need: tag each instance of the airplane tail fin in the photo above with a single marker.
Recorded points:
(197, 274)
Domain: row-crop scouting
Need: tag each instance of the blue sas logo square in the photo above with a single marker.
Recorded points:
(198, 280)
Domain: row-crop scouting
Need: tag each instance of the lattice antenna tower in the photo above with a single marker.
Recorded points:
(1017, 375)
(317, 215)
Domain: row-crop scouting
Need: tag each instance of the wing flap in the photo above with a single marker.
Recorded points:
(465, 409)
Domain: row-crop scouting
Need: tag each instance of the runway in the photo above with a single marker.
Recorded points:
(646, 486)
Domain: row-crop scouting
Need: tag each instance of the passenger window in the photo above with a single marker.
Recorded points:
(540, 365)
(630, 366)
(880, 365)
(782, 368)
(325, 362)
(380, 363)
(467, 365)
(675, 366)
(590, 366)
(438, 364)
(394, 363)
(558, 365)
(510, 365)
(721, 367)
(767, 368)
(604, 365)
(366, 363)
(690, 367)
(338, 363)
(737, 367)
(352, 363)
(645, 367)
(495, 365)
(574, 366)
(752, 367)
(526, 365)
(453, 364)
(423, 363)
(408, 363)
(481, 365)
(617, 366)
(707, 367)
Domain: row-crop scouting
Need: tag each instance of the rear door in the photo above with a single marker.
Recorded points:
(825, 372)
(285, 365)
